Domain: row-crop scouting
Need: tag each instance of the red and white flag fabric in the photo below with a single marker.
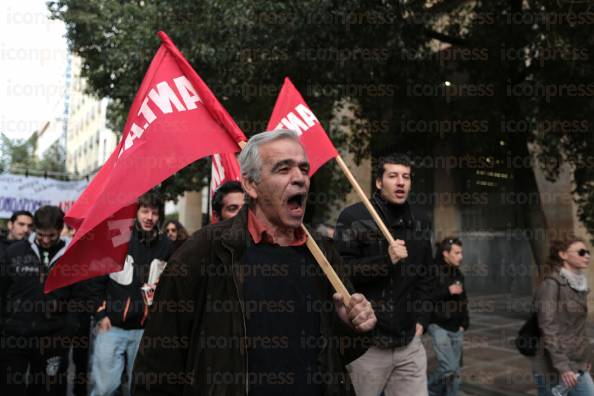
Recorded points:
(291, 112)
(224, 168)
(174, 120)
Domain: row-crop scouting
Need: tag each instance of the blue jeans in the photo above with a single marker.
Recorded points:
(448, 350)
(113, 351)
(584, 387)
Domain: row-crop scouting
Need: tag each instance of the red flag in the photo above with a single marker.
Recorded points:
(224, 168)
(174, 120)
(291, 112)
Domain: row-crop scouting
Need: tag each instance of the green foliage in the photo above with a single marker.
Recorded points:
(53, 159)
(373, 54)
(19, 155)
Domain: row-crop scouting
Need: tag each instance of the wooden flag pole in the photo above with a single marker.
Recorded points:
(365, 200)
(322, 261)
(326, 267)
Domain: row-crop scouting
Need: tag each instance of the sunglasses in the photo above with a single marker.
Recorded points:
(170, 230)
(582, 252)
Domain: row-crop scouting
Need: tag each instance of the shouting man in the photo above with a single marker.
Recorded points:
(248, 305)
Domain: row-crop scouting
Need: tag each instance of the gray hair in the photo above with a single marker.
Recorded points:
(249, 158)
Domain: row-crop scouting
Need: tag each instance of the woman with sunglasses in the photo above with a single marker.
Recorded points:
(176, 232)
(561, 302)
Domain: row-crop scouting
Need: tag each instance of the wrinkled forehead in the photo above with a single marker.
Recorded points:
(282, 150)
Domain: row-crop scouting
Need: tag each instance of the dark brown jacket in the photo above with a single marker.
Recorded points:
(562, 314)
(194, 341)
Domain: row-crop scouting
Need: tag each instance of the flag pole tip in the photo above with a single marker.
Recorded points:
(162, 35)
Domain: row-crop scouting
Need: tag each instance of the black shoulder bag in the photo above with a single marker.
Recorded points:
(528, 336)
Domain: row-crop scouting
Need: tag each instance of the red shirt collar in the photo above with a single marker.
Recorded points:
(260, 234)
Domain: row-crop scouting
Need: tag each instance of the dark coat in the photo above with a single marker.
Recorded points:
(26, 310)
(450, 311)
(400, 293)
(177, 356)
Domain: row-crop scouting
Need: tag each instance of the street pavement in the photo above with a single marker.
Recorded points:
(491, 364)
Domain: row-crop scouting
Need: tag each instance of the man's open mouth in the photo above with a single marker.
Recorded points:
(295, 203)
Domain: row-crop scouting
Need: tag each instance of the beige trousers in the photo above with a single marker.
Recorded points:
(395, 371)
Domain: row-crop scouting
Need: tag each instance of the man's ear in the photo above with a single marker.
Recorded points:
(563, 256)
(378, 183)
(249, 186)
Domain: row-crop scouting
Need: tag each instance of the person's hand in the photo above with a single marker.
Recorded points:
(358, 314)
(104, 325)
(588, 367)
(397, 251)
(455, 288)
(418, 330)
(569, 378)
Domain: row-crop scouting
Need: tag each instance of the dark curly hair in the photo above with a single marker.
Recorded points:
(182, 233)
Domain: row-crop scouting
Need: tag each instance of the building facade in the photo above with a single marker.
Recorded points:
(89, 142)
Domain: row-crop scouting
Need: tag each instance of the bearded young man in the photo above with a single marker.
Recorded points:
(244, 303)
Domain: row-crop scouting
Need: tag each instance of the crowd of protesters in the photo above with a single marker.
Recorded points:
(233, 311)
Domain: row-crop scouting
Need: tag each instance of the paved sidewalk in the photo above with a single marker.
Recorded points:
(491, 364)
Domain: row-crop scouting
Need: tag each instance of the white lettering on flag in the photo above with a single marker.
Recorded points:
(146, 111)
(185, 88)
(124, 227)
(218, 172)
(164, 97)
(307, 115)
(135, 133)
(299, 123)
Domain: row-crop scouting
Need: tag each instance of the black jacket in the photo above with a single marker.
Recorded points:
(5, 244)
(176, 358)
(399, 293)
(26, 310)
(119, 294)
(450, 311)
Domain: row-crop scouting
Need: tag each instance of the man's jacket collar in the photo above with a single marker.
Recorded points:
(407, 220)
(35, 248)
